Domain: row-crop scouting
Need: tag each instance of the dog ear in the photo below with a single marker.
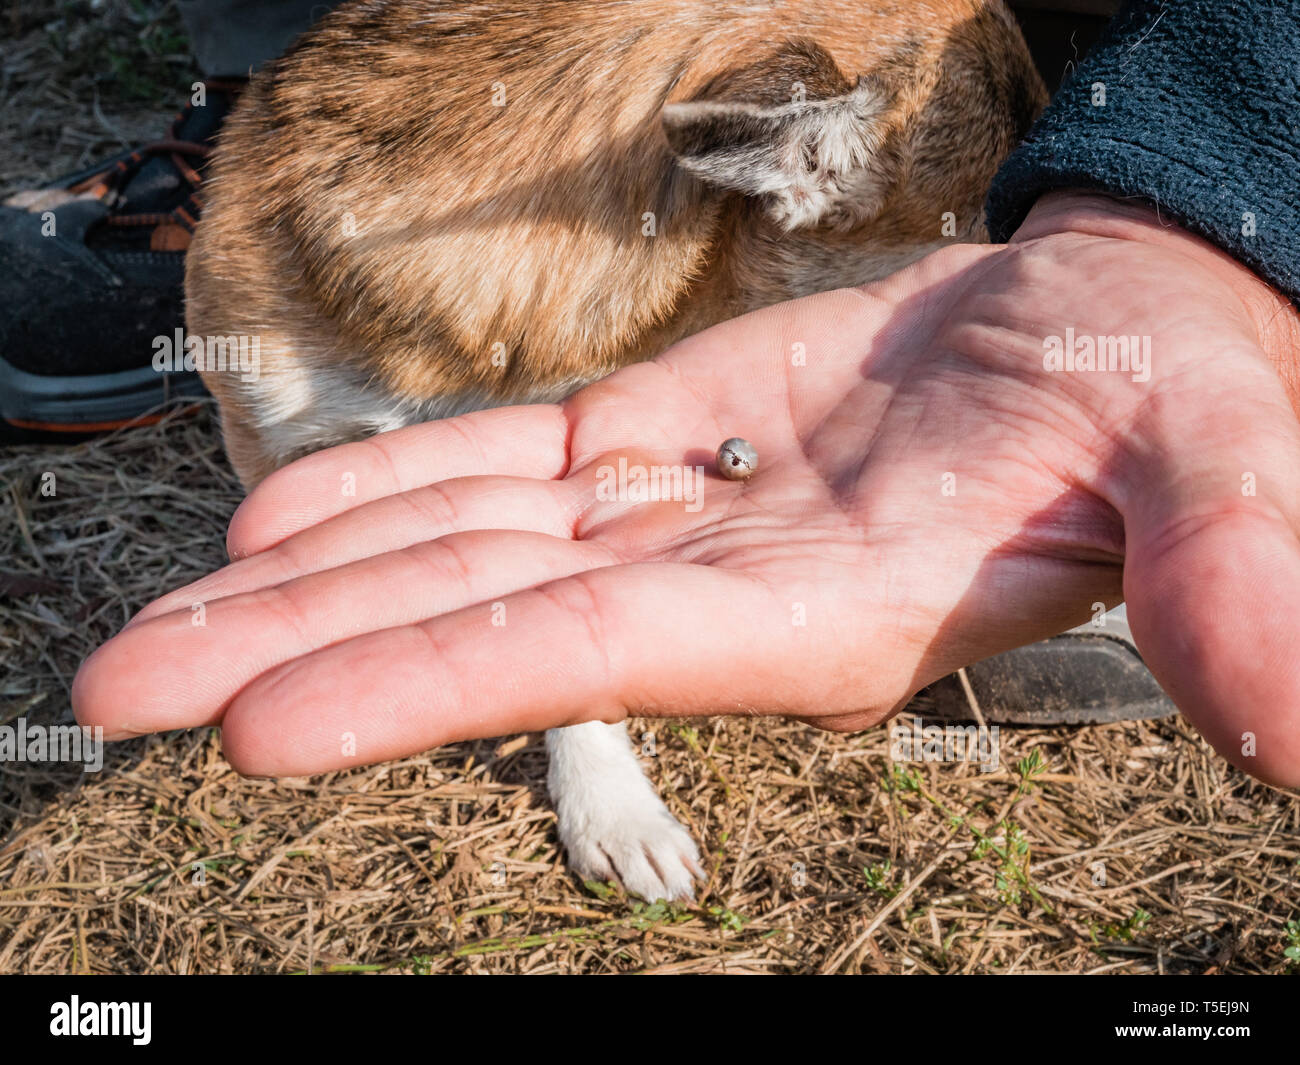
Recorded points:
(794, 132)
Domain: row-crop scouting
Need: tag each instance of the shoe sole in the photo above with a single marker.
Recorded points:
(89, 403)
(1039, 685)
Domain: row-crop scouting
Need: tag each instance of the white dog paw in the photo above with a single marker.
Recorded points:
(642, 846)
(611, 822)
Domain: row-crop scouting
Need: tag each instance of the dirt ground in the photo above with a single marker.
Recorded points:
(1122, 849)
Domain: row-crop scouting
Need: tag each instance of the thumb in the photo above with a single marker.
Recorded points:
(1212, 582)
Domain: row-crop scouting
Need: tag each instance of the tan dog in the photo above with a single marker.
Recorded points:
(429, 207)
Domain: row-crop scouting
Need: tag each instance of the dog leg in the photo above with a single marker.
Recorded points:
(611, 821)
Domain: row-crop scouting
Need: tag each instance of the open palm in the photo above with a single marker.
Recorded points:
(928, 495)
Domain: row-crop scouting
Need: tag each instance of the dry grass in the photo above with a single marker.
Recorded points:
(824, 856)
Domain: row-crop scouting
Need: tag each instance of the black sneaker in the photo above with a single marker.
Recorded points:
(1087, 676)
(94, 272)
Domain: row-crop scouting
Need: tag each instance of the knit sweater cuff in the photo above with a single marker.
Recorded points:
(1192, 107)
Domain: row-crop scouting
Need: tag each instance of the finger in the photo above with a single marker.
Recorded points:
(394, 522)
(1212, 579)
(662, 638)
(1216, 615)
(517, 441)
(183, 668)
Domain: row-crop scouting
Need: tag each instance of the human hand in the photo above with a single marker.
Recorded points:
(928, 495)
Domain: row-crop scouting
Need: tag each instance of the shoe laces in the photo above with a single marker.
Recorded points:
(186, 156)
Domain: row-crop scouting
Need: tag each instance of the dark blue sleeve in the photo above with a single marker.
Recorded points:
(1192, 106)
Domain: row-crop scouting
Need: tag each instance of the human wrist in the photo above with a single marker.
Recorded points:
(1272, 319)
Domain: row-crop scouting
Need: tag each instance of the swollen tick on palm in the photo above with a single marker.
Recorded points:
(737, 459)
